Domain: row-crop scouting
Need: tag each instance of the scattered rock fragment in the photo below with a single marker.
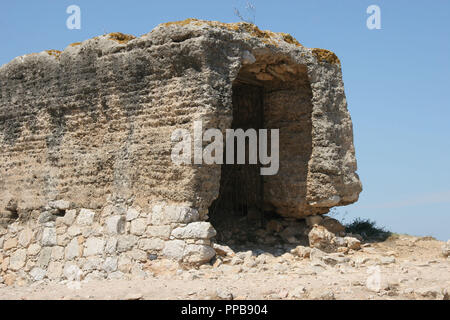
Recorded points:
(224, 294)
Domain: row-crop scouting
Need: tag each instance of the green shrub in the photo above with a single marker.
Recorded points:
(367, 229)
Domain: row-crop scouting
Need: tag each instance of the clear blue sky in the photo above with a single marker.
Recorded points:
(397, 82)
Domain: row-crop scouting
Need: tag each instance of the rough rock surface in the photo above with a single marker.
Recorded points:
(96, 119)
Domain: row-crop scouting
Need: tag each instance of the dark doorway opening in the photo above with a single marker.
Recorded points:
(261, 212)
(241, 195)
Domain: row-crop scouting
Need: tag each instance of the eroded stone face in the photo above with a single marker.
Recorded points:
(86, 142)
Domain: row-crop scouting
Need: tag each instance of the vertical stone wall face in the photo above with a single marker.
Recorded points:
(87, 185)
(116, 242)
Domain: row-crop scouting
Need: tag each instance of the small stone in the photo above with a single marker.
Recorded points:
(69, 217)
(116, 275)
(115, 224)
(124, 263)
(223, 250)
(33, 249)
(387, 260)
(49, 237)
(137, 273)
(74, 231)
(73, 250)
(46, 216)
(152, 256)
(162, 232)
(298, 292)
(126, 242)
(57, 253)
(198, 254)
(174, 249)
(138, 255)
(54, 270)
(111, 245)
(94, 246)
(132, 214)
(95, 275)
(60, 205)
(72, 272)
(334, 259)
(38, 274)
(110, 264)
(138, 226)
(353, 243)
(195, 230)
(85, 217)
(151, 244)
(332, 225)
(9, 244)
(25, 237)
(322, 239)
(301, 251)
(93, 263)
(44, 257)
(18, 259)
(9, 279)
(340, 242)
(224, 294)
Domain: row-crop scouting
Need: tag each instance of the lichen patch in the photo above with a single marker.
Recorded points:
(323, 55)
(121, 37)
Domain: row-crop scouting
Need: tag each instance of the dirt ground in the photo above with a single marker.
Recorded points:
(402, 267)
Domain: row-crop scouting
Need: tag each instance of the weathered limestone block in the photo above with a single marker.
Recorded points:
(138, 226)
(73, 250)
(11, 243)
(322, 239)
(132, 214)
(151, 244)
(115, 224)
(60, 205)
(72, 272)
(111, 245)
(55, 270)
(163, 214)
(85, 217)
(57, 253)
(94, 246)
(162, 232)
(33, 249)
(69, 217)
(198, 254)
(174, 249)
(25, 237)
(38, 274)
(195, 230)
(44, 257)
(49, 237)
(126, 242)
(18, 259)
(110, 264)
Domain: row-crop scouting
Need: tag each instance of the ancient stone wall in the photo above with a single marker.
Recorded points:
(116, 242)
(86, 178)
